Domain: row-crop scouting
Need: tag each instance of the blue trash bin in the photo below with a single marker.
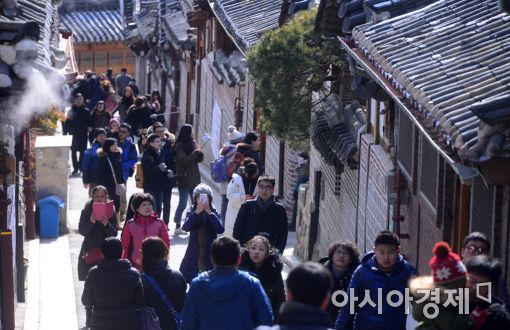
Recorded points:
(49, 208)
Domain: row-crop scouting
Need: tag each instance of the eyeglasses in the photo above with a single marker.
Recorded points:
(265, 187)
(475, 249)
(341, 253)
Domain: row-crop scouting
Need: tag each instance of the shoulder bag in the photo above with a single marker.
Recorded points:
(176, 315)
(120, 188)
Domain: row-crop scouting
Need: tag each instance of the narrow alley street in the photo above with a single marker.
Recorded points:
(54, 291)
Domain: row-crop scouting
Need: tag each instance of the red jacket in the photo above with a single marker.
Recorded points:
(136, 230)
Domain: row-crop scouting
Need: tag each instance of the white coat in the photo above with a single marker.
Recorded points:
(236, 197)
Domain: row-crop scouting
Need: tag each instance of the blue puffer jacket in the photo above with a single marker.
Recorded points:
(225, 298)
(129, 157)
(368, 277)
(90, 167)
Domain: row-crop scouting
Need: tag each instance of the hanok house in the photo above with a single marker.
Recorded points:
(29, 48)
(97, 34)
(440, 126)
(224, 90)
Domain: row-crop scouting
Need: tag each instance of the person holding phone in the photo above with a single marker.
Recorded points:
(204, 224)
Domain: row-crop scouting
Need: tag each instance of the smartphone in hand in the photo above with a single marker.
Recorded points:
(204, 199)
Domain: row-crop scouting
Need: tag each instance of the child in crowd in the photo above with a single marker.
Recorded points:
(448, 272)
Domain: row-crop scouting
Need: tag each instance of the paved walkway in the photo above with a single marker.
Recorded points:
(53, 289)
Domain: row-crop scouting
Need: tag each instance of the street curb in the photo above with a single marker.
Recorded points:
(31, 317)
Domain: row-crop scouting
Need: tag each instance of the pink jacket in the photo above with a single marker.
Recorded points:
(136, 230)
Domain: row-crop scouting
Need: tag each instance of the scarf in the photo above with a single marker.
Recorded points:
(265, 205)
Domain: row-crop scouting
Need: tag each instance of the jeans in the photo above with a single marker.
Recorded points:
(224, 204)
(77, 162)
(167, 195)
(158, 199)
(183, 202)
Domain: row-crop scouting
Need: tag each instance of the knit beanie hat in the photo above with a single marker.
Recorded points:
(234, 136)
(447, 267)
(202, 189)
(99, 131)
(139, 199)
(114, 120)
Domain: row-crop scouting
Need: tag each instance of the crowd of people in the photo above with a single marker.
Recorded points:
(231, 274)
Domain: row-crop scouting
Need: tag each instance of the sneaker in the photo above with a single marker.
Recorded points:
(179, 231)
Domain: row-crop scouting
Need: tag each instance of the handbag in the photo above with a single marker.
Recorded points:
(93, 256)
(148, 319)
(120, 188)
(176, 315)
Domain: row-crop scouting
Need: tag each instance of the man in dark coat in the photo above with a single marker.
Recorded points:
(169, 160)
(263, 216)
(77, 125)
(308, 287)
(90, 166)
(113, 290)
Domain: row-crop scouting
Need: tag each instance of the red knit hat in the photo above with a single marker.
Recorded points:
(446, 266)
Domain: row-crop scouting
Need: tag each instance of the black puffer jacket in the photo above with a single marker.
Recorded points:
(270, 276)
(94, 234)
(297, 316)
(252, 220)
(339, 283)
(154, 179)
(173, 285)
(114, 291)
(105, 175)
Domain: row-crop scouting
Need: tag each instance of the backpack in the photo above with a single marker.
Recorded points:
(219, 169)
(139, 175)
(234, 165)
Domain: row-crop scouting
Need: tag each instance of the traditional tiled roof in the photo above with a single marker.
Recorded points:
(247, 20)
(94, 25)
(339, 17)
(443, 58)
(174, 23)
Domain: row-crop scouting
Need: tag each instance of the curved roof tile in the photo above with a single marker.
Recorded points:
(99, 25)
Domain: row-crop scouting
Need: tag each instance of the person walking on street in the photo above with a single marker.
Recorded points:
(110, 172)
(126, 101)
(204, 224)
(90, 167)
(187, 156)
(99, 118)
(155, 171)
(94, 231)
(342, 261)
(308, 293)
(225, 297)
(113, 290)
(129, 159)
(227, 151)
(76, 125)
(167, 142)
(250, 148)
(122, 80)
(383, 268)
(486, 315)
(263, 261)
(113, 129)
(145, 223)
(170, 282)
(303, 174)
(477, 243)
(263, 215)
